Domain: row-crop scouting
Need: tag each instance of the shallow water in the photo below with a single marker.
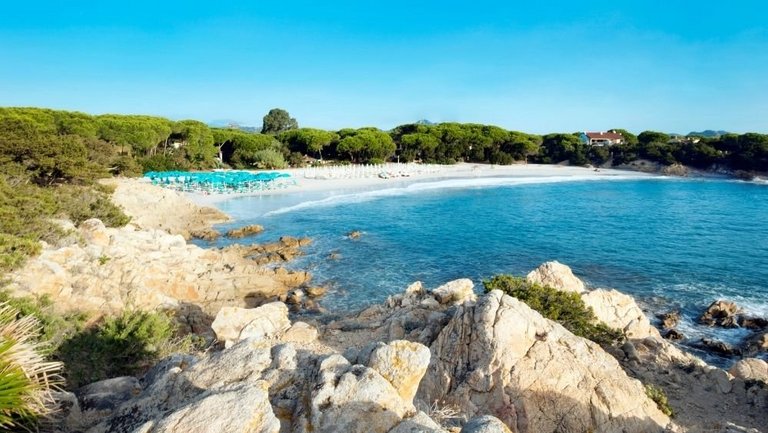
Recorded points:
(671, 243)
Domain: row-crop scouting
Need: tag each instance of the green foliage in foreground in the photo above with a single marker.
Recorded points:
(121, 345)
(26, 378)
(660, 398)
(566, 308)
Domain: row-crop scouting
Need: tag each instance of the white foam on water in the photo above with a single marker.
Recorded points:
(420, 187)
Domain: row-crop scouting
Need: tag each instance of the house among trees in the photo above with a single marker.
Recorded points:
(609, 138)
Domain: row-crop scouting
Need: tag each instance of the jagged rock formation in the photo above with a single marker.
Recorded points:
(113, 269)
(500, 365)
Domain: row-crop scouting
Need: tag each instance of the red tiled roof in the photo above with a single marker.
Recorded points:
(604, 135)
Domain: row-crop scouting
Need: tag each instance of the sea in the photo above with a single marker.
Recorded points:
(672, 243)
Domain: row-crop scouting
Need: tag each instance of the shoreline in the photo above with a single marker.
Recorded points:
(456, 171)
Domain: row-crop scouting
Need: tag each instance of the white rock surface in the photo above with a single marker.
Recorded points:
(501, 357)
(268, 321)
(558, 276)
(455, 292)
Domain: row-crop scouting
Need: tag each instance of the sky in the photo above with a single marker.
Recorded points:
(556, 66)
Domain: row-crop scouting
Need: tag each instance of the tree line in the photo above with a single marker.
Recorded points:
(60, 144)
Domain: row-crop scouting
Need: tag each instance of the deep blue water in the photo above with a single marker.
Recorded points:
(668, 242)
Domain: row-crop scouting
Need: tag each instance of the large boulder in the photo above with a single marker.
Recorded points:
(721, 313)
(750, 369)
(455, 292)
(403, 364)
(558, 276)
(620, 311)
(233, 324)
(503, 358)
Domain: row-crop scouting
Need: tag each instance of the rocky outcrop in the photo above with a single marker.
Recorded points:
(147, 269)
(242, 232)
(721, 313)
(268, 321)
(558, 276)
(285, 249)
(503, 358)
(620, 311)
(485, 424)
(750, 369)
(455, 292)
(268, 385)
(154, 208)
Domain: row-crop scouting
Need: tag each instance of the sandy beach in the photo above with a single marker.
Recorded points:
(312, 180)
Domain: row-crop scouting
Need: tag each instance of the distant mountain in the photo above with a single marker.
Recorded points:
(708, 133)
(424, 122)
(232, 124)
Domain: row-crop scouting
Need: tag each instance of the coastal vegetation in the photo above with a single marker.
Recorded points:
(26, 378)
(566, 308)
(90, 349)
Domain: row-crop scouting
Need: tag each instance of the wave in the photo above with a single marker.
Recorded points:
(464, 183)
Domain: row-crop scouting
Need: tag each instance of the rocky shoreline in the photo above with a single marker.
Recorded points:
(441, 360)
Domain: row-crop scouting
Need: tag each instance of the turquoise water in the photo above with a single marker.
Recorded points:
(671, 243)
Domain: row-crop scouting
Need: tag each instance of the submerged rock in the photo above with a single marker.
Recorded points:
(721, 313)
(242, 232)
(670, 319)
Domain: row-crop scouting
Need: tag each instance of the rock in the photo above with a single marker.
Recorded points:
(300, 332)
(721, 378)
(676, 169)
(315, 291)
(620, 311)
(100, 399)
(94, 232)
(334, 256)
(245, 231)
(206, 234)
(236, 408)
(415, 289)
(719, 347)
(558, 276)
(146, 270)
(233, 324)
(403, 364)
(294, 297)
(355, 234)
(149, 207)
(721, 313)
(455, 292)
(670, 319)
(674, 335)
(754, 323)
(485, 424)
(354, 399)
(750, 369)
(500, 357)
(757, 343)
(420, 423)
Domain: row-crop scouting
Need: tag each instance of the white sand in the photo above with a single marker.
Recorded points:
(457, 171)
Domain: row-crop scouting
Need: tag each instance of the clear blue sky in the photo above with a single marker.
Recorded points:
(670, 65)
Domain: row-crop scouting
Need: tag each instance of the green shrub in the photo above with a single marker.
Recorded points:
(659, 397)
(26, 379)
(82, 203)
(54, 328)
(566, 308)
(126, 344)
